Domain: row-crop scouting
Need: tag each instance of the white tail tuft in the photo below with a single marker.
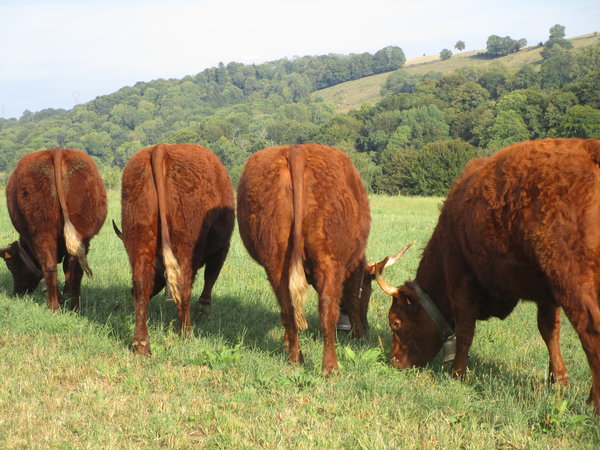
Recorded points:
(75, 247)
(298, 285)
(172, 273)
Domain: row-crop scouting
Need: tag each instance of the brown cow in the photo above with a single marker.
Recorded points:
(303, 214)
(57, 202)
(177, 205)
(524, 223)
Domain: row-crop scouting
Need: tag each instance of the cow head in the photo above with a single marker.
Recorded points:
(415, 338)
(26, 276)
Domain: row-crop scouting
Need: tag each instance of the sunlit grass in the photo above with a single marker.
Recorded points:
(70, 380)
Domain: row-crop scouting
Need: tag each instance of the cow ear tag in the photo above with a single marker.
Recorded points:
(6, 255)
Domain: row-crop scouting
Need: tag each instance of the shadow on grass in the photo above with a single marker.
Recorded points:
(486, 378)
(250, 318)
(231, 318)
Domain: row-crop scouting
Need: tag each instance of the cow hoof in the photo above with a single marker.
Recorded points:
(203, 308)
(297, 358)
(141, 347)
(330, 372)
(562, 380)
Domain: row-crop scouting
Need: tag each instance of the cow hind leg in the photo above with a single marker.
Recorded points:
(183, 306)
(143, 276)
(212, 269)
(548, 318)
(46, 254)
(290, 336)
(583, 312)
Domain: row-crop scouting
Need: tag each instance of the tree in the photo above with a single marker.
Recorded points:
(502, 46)
(445, 54)
(426, 124)
(581, 121)
(557, 69)
(559, 103)
(586, 89)
(400, 81)
(557, 37)
(387, 59)
(393, 163)
(508, 128)
(434, 168)
(531, 105)
(460, 46)
(525, 77)
(494, 80)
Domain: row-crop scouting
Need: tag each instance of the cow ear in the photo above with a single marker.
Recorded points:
(406, 295)
(5, 252)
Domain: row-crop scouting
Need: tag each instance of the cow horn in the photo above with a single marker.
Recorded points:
(390, 261)
(397, 256)
(385, 287)
(116, 228)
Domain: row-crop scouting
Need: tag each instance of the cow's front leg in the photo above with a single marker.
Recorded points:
(549, 325)
(465, 330)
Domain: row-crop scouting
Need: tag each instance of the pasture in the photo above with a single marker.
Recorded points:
(352, 94)
(71, 380)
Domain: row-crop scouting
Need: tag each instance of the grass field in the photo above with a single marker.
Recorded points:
(352, 94)
(70, 380)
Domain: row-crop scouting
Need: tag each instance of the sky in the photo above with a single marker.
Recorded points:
(59, 53)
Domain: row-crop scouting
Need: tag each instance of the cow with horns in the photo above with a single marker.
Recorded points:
(177, 216)
(303, 214)
(57, 203)
(521, 224)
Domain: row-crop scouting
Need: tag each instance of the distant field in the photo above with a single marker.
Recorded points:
(352, 94)
(70, 380)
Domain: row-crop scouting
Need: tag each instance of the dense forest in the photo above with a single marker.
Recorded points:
(414, 141)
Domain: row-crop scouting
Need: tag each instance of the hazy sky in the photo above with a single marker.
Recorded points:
(57, 53)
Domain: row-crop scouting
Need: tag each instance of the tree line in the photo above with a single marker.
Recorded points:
(414, 141)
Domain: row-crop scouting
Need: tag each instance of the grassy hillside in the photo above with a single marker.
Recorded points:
(70, 380)
(352, 94)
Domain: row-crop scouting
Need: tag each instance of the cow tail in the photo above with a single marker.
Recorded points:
(73, 241)
(172, 269)
(298, 283)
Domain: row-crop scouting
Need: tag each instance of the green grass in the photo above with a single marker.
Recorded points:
(70, 380)
(352, 94)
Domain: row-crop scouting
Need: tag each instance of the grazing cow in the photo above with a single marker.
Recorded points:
(303, 214)
(177, 214)
(523, 223)
(57, 202)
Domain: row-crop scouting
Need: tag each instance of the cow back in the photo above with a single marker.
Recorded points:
(335, 222)
(32, 199)
(198, 193)
(517, 216)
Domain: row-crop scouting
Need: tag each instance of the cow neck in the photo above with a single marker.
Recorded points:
(432, 310)
(28, 260)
